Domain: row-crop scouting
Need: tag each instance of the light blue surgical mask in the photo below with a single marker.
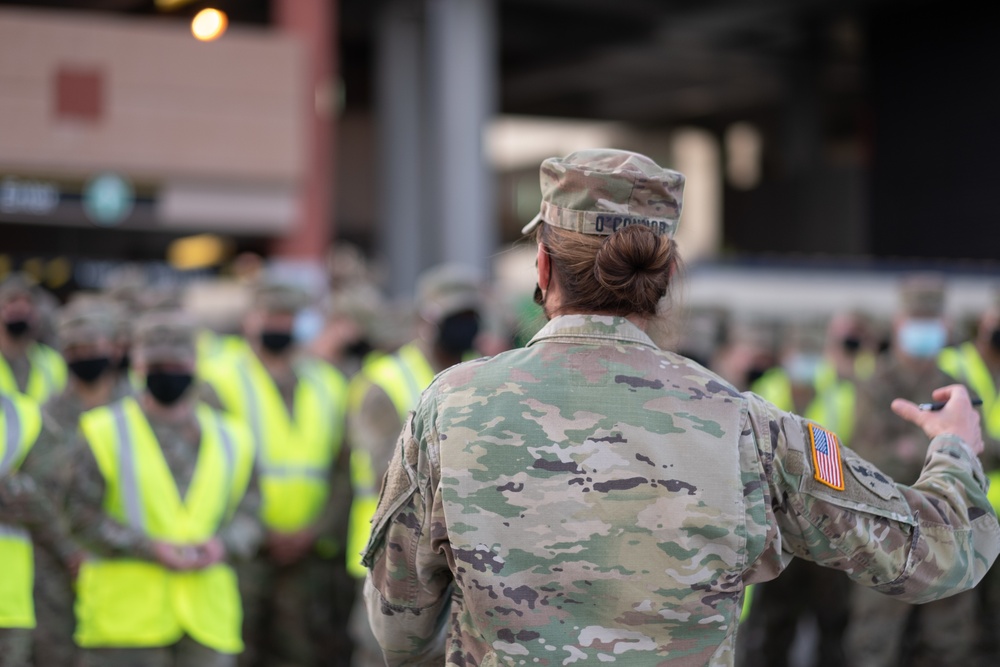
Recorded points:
(308, 325)
(922, 339)
(802, 367)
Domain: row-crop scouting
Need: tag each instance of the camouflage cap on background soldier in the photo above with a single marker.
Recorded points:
(922, 295)
(447, 289)
(15, 285)
(600, 191)
(279, 297)
(85, 319)
(164, 336)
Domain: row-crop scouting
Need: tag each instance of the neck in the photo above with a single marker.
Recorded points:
(180, 411)
(96, 393)
(14, 347)
(275, 364)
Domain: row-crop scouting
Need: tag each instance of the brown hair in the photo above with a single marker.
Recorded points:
(625, 273)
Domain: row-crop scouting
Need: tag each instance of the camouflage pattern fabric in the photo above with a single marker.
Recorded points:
(600, 191)
(592, 498)
(15, 647)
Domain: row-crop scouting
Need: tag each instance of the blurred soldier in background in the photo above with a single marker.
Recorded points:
(383, 393)
(28, 514)
(976, 364)
(815, 379)
(86, 329)
(163, 496)
(295, 406)
(882, 630)
(26, 365)
(350, 327)
(747, 353)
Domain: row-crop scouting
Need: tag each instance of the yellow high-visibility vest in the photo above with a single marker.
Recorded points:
(294, 452)
(833, 406)
(403, 376)
(46, 378)
(131, 603)
(966, 365)
(20, 424)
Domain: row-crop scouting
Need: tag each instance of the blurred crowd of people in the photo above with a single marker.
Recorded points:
(187, 477)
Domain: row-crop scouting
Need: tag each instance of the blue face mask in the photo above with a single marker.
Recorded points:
(922, 338)
(802, 367)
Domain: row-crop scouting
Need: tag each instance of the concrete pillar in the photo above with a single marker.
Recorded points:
(461, 48)
(399, 82)
(313, 22)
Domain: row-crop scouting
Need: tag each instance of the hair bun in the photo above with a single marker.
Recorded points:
(633, 264)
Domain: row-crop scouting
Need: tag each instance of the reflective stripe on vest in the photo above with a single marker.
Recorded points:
(46, 377)
(134, 603)
(294, 452)
(20, 424)
(403, 376)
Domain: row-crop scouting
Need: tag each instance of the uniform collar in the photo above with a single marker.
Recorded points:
(596, 328)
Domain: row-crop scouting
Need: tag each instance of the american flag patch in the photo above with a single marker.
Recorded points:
(826, 457)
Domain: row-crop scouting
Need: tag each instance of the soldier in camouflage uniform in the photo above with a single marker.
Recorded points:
(592, 498)
(297, 593)
(29, 502)
(448, 299)
(86, 329)
(882, 630)
(27, 366)
(159, 439)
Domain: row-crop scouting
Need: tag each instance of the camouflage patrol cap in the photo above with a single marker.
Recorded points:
(86, 319)
(15, 285)
(922, 295)
(275, 297)
(447, 289)
(164, 336)
(600, 191)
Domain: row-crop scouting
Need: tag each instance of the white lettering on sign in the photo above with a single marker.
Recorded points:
(21, 196)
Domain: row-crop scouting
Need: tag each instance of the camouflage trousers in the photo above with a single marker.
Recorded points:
(185, 653)
(804, 592)
(52, 639)
(15, 647)
(296, 616)
(885, 632)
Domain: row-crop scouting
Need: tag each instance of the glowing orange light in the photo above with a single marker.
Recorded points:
(209, 24)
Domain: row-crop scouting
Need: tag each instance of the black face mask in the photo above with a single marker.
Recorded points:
(457, 332)
(276, 341)
(16, 328)
(167, 388)
(359, 348)
(995, 339)
(88, 370)
(124, 363)
(755, 374)
(851, 345)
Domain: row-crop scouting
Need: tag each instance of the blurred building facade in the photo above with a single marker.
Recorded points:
(849, 133)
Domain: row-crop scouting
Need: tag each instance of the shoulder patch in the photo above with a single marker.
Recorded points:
(827, 466)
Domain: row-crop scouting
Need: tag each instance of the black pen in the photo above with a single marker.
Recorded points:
(937, 405)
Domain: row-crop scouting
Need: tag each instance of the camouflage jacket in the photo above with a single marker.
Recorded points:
(594, 498)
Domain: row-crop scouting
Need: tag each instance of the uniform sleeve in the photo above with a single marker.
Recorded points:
(407, 591)
(374, 427)
(99, 533)
(918, 543)
(42, 492)
(243, 534)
